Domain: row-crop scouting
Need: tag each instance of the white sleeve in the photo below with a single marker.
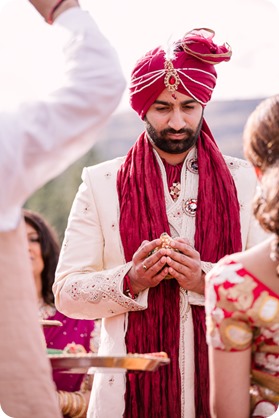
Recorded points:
(84, 287)
(40, 139)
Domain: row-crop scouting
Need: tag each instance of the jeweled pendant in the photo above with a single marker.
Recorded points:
(175, 190)
(171, 79)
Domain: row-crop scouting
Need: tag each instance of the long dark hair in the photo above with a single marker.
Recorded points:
(50, 249)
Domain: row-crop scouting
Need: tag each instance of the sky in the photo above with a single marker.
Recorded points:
(30, 50)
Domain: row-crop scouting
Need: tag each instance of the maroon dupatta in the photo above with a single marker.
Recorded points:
(143, 217)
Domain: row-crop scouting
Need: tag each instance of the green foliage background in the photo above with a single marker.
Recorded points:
(54, 200)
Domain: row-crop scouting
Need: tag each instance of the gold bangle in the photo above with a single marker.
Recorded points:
(62, 400)
(82, 405)
(59, 399)
(78, 404)
(75, 405)
(72, 403)
(71, 398)
(67, 404)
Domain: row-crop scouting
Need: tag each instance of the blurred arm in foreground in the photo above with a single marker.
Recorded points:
(38, 141)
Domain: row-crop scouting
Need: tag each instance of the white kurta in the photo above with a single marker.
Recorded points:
(89, 280)
(39, 140)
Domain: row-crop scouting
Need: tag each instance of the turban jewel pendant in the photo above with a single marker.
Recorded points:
(171, 79)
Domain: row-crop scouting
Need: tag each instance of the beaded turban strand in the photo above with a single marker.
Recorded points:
(187, 66)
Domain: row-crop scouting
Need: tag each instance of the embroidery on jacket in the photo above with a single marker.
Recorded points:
(98, 287)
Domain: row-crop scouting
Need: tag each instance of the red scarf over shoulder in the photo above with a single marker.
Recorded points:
(143, 217)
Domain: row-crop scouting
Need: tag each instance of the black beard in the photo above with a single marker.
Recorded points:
(172, 146)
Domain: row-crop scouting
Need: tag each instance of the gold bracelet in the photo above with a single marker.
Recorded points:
(75, 405)
(65, 401)
(79, 403)
(71, 401)
(82, 405)
(62, 402)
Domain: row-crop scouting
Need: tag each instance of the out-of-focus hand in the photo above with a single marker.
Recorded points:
(45, 7)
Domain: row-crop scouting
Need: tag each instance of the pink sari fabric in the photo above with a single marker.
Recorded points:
(140, 190)
(76, 331)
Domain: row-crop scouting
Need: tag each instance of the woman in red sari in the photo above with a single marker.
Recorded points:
(242, 293)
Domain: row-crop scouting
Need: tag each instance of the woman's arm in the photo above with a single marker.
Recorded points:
(52, 132)
(51, 9)
(229, 383)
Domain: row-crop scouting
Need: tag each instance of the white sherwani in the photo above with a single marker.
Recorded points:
(91, 269)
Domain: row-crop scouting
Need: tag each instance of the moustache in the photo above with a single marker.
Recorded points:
(180, 131)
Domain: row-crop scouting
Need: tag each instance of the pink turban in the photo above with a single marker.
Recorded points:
(188, 67)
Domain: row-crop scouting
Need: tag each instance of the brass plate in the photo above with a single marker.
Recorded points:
(50, 323)
(81, 363)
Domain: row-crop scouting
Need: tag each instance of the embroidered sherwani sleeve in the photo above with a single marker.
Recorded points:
(91, 268)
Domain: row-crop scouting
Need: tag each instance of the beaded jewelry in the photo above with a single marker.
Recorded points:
(171, 79)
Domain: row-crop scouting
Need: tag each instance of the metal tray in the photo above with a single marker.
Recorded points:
(50, 323)
(74, 363)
